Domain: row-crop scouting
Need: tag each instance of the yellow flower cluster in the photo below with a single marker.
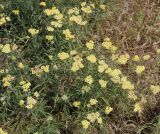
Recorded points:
(93, 102)
(77, 19)
(107, 44)
(51, 11)
(43, 4)
(89, 79)
(2, 131)
(146, 57)
(7, 80)
(4, 19)
(76, 104)
(155, 89)
(50, 29)
(25, 85)
(87, 8)
(20, 65)
(49, 37)
(68, 34)
(131, 95)
(123, 59)
(85, 124)
(33, 31)
(77, 64)
(56, 15)
(138, 107)
(102, 83)
(102, 66)
(90, 44)
(85, 89)
(108, 109)
(30, 102)
(92, 58)
(16, 12)
(136, 58)
(6, 48)
(38, 70)
(140, 69)
(73, 11)
(92, 117)
(102, 6)
(63, 56)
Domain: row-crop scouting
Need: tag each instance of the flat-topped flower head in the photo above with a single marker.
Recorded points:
(33, 31)
(89, 79)
(63, 56)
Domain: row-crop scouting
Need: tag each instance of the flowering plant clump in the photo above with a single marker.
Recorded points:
(56, 76)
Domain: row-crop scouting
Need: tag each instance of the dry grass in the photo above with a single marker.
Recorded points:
(135, 27)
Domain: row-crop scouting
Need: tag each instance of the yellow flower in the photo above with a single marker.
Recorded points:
(73, 11)
(155, 89)
(50, 57)
(56, 23)
(83, 4)
(45, 68)
(7, 80)
(77, 65)
(92, 58)
(102, 6)
(85, 124)
(50, 29)
(146, 57)
(63, 56)
(33, 31)
(126, 84)
(49, 37)
(158, 51)
(108, 109)
(42, 3)
(92, 117)
(102, 83)
(64, 97)
(123, 59)
(107, 45)
(85, 89)
(131, 95)
(86, 9)
(114, 72)
(138, 107)
(51, 11)
(36, 94)
(93, 102)
(16, 12)
(90, 44)
(68, 34)
(77, 19)
(30, 102)
(89, 79)
(99, 120)
(25, 85)
(102, 66)
(2, 131)
(20, 65)
(76, 104)
(140, 69)
(21, 102)
(73, 52)
(6, 48)
(136, 58)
